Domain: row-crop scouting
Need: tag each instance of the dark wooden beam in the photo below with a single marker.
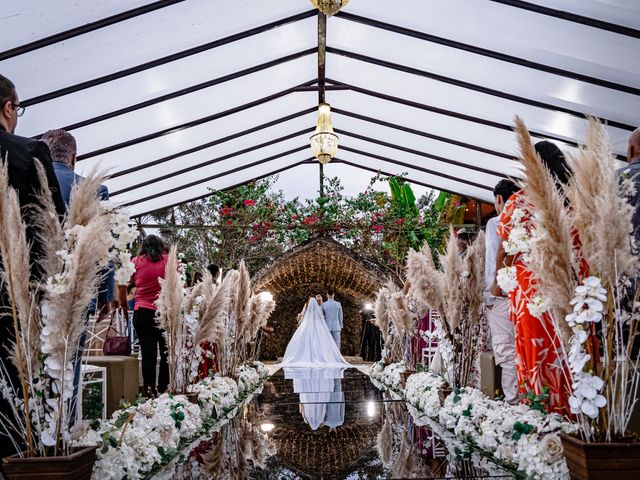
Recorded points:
(191, 123)
(422, 153)
(188, 90)
(322, 61)
(86, 28)
(201, 197)
(421, 133)
(217, 175)
(166, 59)
(458, 115)
(173, 173)
(489, 53)
(472, 86)
(211, 143)
(572, 17)
(409, 179)
(415, 167)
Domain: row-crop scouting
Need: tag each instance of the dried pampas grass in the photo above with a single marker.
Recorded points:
(213, 307)
(83, 200)
(169, 306)
(403, 320)
(552, 254)
(600, 214)
(426, 281)
(452, 269)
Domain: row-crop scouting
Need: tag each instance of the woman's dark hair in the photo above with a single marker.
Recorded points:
(213, 270)
(553, 158)
(153, 248)
(505, 188)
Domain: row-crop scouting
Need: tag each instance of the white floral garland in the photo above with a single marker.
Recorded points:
(137, 439)
(514, 435)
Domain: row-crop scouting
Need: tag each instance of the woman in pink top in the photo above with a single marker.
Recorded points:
(150, 266)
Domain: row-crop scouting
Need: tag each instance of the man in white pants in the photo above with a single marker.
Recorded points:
(502, 334)
(332, 311)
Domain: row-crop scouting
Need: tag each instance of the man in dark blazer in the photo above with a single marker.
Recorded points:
(20, 154)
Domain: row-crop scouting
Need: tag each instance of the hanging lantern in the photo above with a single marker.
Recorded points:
(324, 143)
(329, 7)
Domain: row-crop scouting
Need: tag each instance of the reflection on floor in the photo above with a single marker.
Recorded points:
(327, 424)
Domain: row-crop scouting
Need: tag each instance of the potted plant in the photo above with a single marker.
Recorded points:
(595, 314)
(48, 315)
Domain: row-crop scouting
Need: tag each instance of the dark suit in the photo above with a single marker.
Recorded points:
(21, 155)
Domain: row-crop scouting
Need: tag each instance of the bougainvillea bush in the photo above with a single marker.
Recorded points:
(255, 223)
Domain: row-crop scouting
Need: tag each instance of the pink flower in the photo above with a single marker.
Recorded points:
(399, 221)
(249, 203)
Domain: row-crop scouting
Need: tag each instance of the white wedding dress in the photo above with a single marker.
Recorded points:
(312, 345)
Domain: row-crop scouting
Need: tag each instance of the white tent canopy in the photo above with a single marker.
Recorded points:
(177, 97)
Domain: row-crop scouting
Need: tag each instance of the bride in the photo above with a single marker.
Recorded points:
(312, 344)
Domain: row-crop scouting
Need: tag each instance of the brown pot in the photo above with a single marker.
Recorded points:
(192, 397)
(404, 376)
(601, 461)
(77, 466)
(443, 393)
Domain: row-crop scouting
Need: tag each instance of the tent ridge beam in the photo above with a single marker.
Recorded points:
(472, 86)
(416, 167)
(212, 143)
(188, 90)
(192, 123)
(421, 133)
(458, 115)
(422, 154)
(572, 17)
(200, 197)
(212, 161)
(166, 59)
(86, 28)
(217, 175)
(485, 52)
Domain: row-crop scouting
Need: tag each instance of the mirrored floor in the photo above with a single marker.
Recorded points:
(329, 424)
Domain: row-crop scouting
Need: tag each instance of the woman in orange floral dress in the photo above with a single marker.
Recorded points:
(538, 366)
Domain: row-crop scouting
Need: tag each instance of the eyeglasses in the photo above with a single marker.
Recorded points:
(18, 108)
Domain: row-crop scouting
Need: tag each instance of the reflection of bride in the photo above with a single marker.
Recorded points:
(312, 344)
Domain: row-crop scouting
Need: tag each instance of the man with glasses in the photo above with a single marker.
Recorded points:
(20, 155)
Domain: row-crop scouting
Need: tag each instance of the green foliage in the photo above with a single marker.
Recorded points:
(92, 401)
(520, 429)
(254, 223)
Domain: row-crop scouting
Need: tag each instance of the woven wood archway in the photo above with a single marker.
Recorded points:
(312, 268)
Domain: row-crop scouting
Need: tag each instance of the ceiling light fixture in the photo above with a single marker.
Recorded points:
(329, 7)
(324, 142)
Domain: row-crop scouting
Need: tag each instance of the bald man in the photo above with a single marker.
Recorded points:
(633, 172)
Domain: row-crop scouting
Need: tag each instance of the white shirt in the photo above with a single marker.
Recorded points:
(492, 242)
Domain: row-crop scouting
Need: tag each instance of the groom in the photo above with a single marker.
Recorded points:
(333, 316)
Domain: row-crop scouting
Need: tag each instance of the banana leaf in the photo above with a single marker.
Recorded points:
(395, 189)
(409, 199)
(441, 201)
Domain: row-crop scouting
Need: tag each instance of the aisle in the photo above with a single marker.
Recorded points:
(328, 423)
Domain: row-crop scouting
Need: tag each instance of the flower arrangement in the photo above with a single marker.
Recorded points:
(49, 308)
(456, 293)
(143, 437)
(227, 315)
(594, 314)
(514, 436)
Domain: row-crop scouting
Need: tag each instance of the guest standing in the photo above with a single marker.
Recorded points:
(20, 155)
(538, 363)
(150, 268)
(632, 172)
(497, 307)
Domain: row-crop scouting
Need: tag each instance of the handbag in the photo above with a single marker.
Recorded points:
(116, 344)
